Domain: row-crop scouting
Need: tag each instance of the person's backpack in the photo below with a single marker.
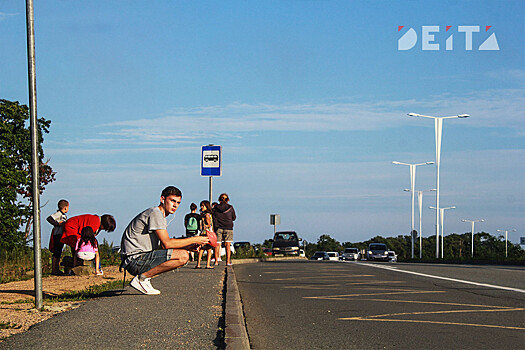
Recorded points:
(193, 224)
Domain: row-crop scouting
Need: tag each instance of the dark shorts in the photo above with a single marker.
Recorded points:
(147, 261)
(57, 246)
(191, 233)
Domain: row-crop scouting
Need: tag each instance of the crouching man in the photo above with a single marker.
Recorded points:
(140, 243)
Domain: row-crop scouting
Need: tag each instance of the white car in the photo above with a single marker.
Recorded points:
(333, 256)
(351, 254)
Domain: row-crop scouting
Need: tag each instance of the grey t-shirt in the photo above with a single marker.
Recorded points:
(140, 234)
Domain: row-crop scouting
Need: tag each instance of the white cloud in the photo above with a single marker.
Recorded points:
(491, 108)
(4, 16)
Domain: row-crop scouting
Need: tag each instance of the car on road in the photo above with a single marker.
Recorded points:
(351, 254)
(286, 243)
(377, 251)
(333, 256)
(392, 256)
(320, 256)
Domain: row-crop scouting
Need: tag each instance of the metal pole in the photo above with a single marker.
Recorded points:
(211, 189)
(472, 238)
(442, 212)
(438, 131)
(412, 189)
(506, 255)
(420, 204)
(35, 159)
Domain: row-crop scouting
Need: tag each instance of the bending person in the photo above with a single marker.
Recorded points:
(143, 237)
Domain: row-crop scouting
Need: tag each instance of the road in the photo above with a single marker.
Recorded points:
(357, 305)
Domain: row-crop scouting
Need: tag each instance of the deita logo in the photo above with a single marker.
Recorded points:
(429, 42)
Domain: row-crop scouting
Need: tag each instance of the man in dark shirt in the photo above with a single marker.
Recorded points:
(224, 216)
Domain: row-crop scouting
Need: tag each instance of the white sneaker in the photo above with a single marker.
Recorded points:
(144, 287)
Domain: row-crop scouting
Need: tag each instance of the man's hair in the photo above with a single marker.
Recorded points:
(224, 198)
(108, 223)
(62, 204)
(193, 206)
(171, 191)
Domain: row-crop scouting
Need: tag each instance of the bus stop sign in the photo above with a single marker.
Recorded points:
(211, 161)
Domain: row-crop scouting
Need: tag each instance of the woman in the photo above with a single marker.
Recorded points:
(206, 225)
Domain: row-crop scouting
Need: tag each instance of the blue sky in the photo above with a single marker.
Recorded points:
(309, 100)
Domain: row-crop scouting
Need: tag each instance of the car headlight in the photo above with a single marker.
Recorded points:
(276, 248)
(370, 253)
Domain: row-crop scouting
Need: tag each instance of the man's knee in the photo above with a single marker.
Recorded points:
(181, 255)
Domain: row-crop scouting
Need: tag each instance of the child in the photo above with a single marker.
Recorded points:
(57, 220)
(87, 248)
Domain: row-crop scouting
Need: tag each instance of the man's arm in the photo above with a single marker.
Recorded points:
(179, 243)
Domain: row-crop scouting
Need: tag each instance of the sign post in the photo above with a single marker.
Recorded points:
(211, 164)
(275, 219)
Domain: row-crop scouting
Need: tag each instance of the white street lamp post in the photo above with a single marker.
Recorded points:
(442, 215)
(438, 126)
(412, 186)
(472, 222)
(506, 239)
(420, 206)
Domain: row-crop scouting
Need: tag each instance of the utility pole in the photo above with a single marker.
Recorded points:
(35, 159)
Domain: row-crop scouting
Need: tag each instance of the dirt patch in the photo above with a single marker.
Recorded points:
(18, 317)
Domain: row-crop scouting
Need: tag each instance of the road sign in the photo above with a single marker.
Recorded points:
(211, 160)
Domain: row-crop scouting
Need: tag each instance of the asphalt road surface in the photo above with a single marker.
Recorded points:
(349, 305)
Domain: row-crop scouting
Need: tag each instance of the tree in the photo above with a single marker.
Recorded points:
(16, 187)
(328, 244)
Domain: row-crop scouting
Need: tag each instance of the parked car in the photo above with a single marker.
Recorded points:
(377, 251)
(333, 256)
(392, 256)
(285, 243)
(267, 251)
(320, 256)
(351, 254)
(241, 245)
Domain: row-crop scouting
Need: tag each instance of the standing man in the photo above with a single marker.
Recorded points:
(57, 220)
(224, 215)
(192, 223)
(143, 236)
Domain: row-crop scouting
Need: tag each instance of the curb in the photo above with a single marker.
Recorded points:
(235, 334)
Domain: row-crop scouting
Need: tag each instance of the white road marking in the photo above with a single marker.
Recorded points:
(446, 278)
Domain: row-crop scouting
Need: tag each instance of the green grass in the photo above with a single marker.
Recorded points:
(9, 325)
(88, 293)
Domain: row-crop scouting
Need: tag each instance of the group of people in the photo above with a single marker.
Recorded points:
(146, 248)
(78, 232)
(215, 217)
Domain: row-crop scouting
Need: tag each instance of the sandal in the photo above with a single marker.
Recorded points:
(210, 267)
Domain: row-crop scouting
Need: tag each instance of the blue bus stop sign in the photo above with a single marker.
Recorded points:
(211, 162)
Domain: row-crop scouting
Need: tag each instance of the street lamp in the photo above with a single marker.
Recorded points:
(412, 185)
(506, 234)
(438, 126)
(420, 206)
(442, 215)
(472, 222)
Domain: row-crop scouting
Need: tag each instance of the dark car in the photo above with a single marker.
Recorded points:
(377, 251)
(320, 256)
(285, 243)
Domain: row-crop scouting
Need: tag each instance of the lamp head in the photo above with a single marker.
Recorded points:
(463, 116)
